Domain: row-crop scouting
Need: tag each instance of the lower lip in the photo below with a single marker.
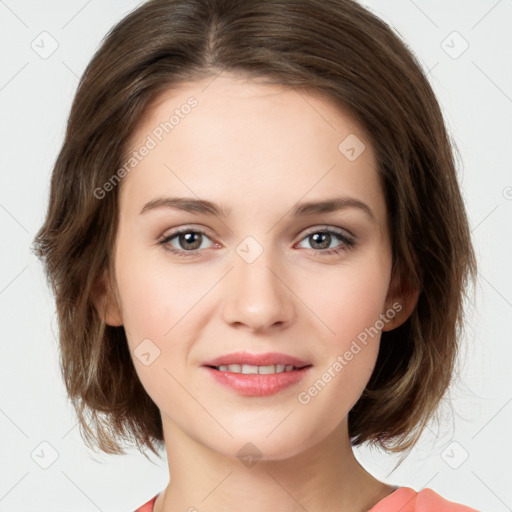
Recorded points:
(256, 384)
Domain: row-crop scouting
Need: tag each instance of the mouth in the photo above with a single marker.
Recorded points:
(249, 369)
(247, 362)
(257, 374)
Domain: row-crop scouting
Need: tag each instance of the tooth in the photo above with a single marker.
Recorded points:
(249, 368)
(253, 369)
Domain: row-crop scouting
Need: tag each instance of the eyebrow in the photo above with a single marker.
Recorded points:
(202, 206)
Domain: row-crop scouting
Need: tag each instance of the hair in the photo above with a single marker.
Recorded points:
(335, 48)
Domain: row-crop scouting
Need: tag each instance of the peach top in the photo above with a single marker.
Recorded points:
(404, 499)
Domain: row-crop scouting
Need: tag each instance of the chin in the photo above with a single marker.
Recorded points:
(253, 445)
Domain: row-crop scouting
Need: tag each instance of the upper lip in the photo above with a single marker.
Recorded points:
(267, 359)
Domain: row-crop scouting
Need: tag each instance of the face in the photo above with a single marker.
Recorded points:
(264, 281)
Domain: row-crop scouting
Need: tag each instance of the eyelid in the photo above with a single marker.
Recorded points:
(327, 227)
(185, 229)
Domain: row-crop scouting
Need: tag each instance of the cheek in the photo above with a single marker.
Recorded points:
(165, 304)
(157, 298)
(350, 306)
(349, 300)
(157, 303)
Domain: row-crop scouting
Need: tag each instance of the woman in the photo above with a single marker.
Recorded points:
(210, 147)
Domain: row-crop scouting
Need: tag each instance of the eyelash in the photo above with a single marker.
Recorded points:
(347, 242)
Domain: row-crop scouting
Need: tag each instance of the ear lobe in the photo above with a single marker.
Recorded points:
(402, 298)
(105, 301)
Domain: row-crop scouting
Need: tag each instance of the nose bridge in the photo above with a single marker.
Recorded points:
(257, 297)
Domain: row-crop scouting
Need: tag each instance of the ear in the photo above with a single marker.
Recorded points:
(402, 298)
(105, 301)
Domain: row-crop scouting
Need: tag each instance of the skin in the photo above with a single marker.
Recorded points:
(256, 149)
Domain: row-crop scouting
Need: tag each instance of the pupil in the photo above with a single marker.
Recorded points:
(188, 238)
(325, 236)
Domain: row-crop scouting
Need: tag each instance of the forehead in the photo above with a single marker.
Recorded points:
(230, 137)
(236, 101)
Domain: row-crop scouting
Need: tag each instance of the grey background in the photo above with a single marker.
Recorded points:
(467, 460)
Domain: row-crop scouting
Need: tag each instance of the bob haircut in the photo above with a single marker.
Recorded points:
(333, 47)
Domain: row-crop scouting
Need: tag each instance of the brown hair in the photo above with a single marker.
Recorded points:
(334, 47)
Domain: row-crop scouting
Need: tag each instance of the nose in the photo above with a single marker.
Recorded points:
(258, 297)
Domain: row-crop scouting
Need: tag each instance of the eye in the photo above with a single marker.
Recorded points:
(321, 238)
(187, 241)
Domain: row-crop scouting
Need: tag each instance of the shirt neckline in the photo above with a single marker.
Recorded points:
(392, 495)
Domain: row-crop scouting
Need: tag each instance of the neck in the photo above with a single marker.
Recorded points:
(325, 477)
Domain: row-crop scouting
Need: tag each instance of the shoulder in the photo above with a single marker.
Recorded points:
(147, 507)
(428, 500)
(408, 500)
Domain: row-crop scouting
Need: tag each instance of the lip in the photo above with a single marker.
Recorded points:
(269, 358)
(257, 384)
